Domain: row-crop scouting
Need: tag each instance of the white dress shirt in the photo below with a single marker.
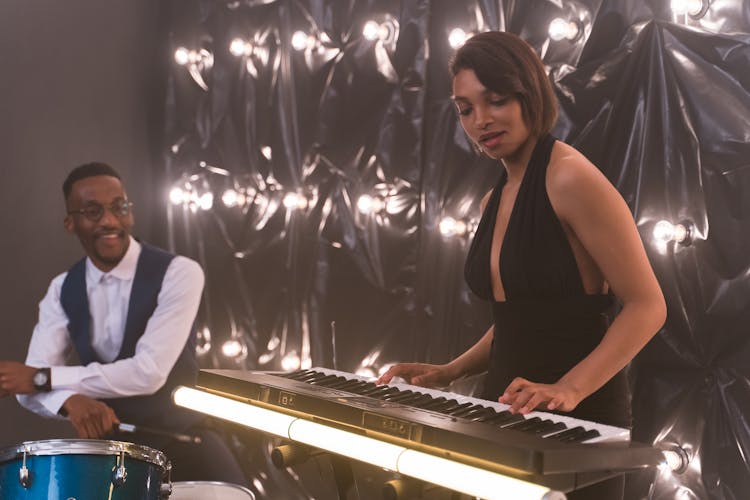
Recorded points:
(109, 295)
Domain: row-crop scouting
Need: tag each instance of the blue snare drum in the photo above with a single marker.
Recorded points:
(81, 469)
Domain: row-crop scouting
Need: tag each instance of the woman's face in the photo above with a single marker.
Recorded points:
(493, 121)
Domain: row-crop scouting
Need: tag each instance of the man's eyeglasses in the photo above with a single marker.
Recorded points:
(95, 212)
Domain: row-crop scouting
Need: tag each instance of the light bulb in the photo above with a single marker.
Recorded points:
(206, 201)
(457, 37)
(560, 28)
(371, 30)
(203, 341)
(182, 56)
(664, 231)
(239, 47)
(367, 204)
(290, 362)
(233, 348)
(299, 40)
(232, 198)
(177, 196)
(452, 227)
(682, 7)
(295, 201)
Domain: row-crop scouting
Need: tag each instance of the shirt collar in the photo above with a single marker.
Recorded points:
(124, 270)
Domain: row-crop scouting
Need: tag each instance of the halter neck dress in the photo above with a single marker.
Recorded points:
(547, 323)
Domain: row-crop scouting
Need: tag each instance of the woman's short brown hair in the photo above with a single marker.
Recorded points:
(507, 65)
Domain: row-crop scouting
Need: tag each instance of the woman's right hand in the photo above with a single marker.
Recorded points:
(422, 374)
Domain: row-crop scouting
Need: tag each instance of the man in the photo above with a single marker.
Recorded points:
(127, 310)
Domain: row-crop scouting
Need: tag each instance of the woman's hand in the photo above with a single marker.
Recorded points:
(525, 396)
(421, 374)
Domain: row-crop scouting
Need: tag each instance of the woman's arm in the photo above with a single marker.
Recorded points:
(591, 207)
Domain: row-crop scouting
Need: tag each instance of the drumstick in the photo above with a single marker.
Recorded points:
(185, 438)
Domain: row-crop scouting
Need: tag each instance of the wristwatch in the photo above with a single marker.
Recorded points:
(42, 380)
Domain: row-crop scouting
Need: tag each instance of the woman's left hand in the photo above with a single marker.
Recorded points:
(525, 396)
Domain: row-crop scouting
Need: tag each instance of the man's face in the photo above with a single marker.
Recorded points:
(105, 240)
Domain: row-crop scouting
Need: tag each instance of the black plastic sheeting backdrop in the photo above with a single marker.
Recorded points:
(662, 107)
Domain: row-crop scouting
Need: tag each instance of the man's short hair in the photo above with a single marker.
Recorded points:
(87, 170)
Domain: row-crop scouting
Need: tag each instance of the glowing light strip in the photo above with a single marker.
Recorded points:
(441, 471)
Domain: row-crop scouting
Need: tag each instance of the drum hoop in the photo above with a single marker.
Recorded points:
(85, 447)
(215, 483)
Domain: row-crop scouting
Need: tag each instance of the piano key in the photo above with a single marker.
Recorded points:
(468, 411)
(524, 425)
(571, 433)
(300, 374)
(434, 403)
(403, 397)
(551, 428)
(323, 380)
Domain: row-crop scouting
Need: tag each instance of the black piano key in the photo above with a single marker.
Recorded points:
(442, 405)
(296, 375)
(377, 390)
(356, 385)
(456, 409)
(413, 399)
(402, 396)
(545, 427)
(525, 425)
(433, 403)
(342, 385)
(362, 389)
(308, 375)
(571, 435)
(332, 381)
(550, 427)
(385, 392)
(504, 417)
(481, 415)
(323, 380)
(589, 434)
(314, 376)
(423, 400)
(468, 411)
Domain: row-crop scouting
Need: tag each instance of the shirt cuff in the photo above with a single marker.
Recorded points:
(66, 377)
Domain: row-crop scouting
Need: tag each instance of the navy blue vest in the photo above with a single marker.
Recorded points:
(155, 410)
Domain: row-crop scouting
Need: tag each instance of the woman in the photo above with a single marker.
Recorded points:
(555, 241)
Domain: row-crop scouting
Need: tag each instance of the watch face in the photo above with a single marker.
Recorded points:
(40, 378)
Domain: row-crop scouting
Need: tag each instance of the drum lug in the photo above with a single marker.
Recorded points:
(119, 473)
(23, 473)
(166, 488)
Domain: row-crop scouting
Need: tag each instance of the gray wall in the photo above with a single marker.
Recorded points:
(79, 81)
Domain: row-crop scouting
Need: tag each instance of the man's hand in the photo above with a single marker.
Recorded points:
(16, 378)
(91, 419)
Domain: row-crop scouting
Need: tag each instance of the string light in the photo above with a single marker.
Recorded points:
(457, 37)
(290, 362)
(301, 41)
(560, 28)
(196, 61)
(386, 31)
(687, 7)
(234, 349)
(367, 204)
(295, 201)
(450, 227)
(203, 341)
(665, 231)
